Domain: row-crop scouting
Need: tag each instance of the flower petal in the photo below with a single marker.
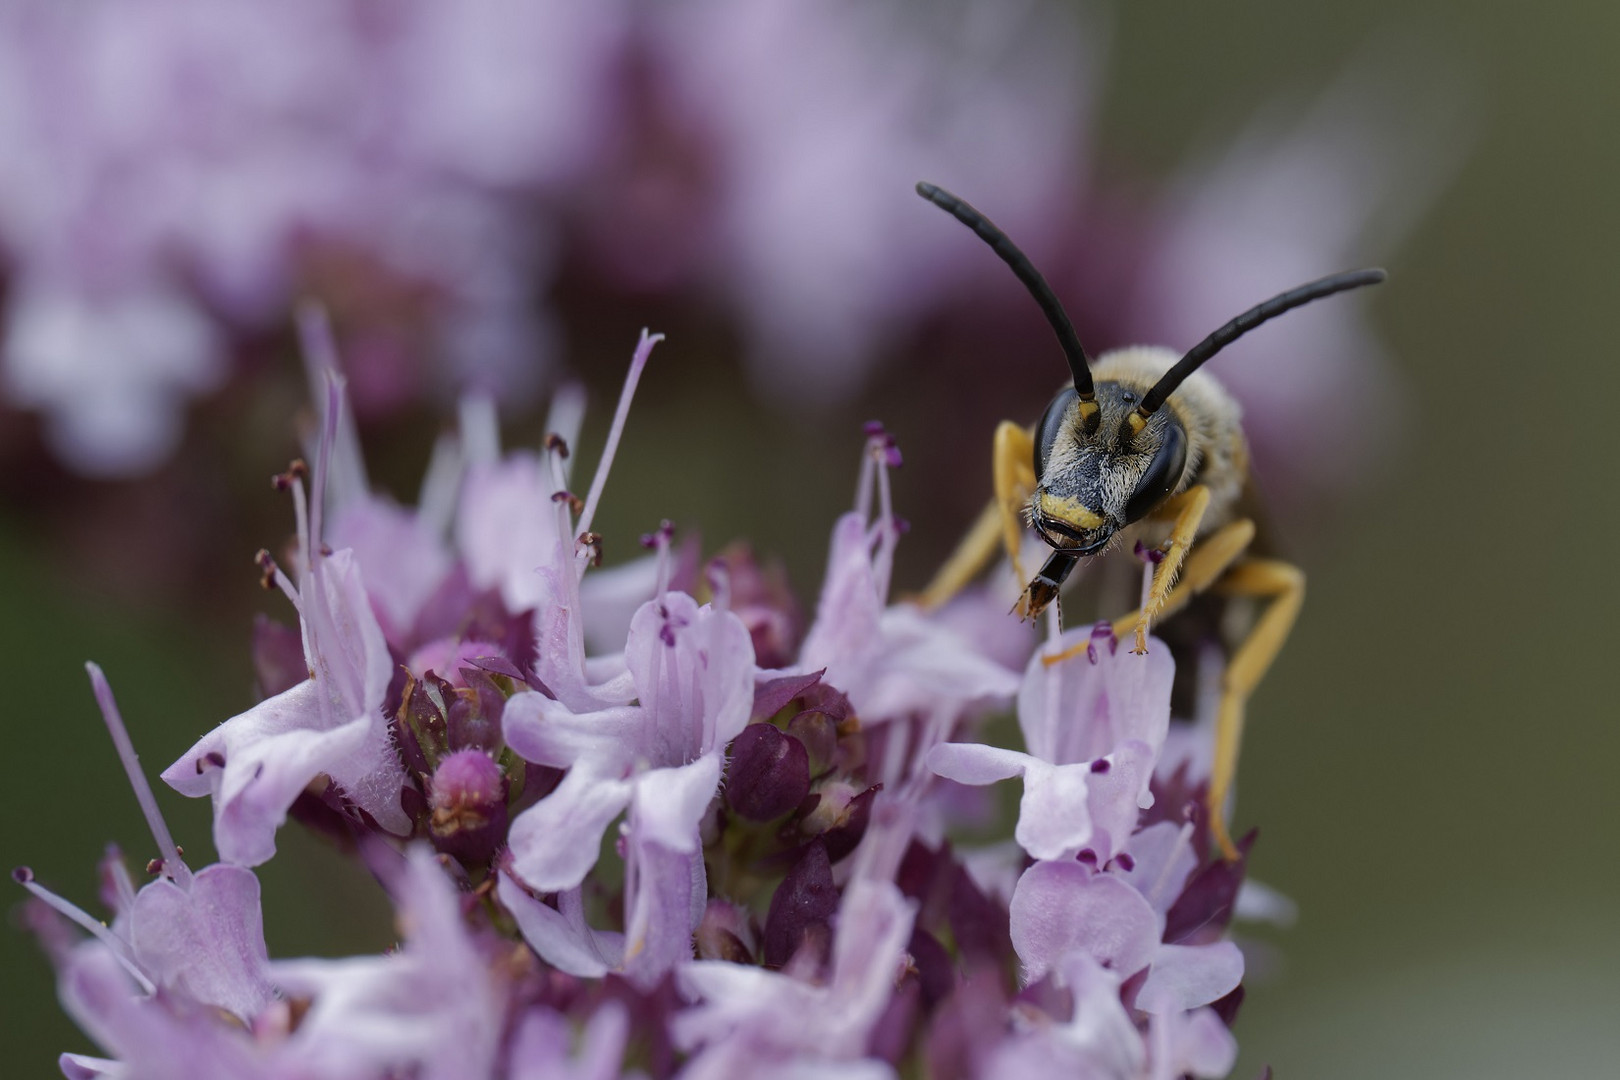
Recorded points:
(547, 732)
(208, 939)
(560, 935)
(1060, 907)
(669, 803)
(1054, 817)
(555, 842)
(976, 763)
(1184, 977)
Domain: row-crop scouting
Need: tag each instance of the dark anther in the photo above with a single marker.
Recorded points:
(22, 875)
(267, 570)
(1125, 862)
(873, 429)
(296, 470)
(1087, 856)
(154, 868)
(575, 503)
(326, 550)
(556, 442)
(594, 542)
(1101, 765)
(1149, 555)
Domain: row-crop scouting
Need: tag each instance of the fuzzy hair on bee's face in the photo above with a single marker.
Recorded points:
(1090, 485)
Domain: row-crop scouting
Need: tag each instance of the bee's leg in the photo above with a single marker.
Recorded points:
(1284, 585)
(1013, 466)
(1189, 508)
(1204, 566)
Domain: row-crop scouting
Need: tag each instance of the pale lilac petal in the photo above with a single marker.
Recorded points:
(555, 842)
(560, 935)
(694, 673)
(1192, 1044)
(1101, 1030)
(82, 1067)
(1060, 907)
(849, 608)
(1054, 819)
(560, 639)
(208, 940)
(146, 1036)
(666, 907)
(1162, 856)
(669, 803)
(271, 753)
(342, 640)
(874, 923)
(542, 1047)
(507, 528)
(431, 1009)
(1116, 795)
(976, 763)
(757, 1019)
(1079, 710)
(547, 732)
(1184, 977)
(405, 561)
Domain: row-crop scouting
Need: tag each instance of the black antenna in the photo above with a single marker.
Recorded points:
(1260, 313)
(1079, 364)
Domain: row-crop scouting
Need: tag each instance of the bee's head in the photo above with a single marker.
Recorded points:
(1093, 479)
(1105, 455)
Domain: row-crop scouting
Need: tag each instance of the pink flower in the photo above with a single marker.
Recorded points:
(255, 764)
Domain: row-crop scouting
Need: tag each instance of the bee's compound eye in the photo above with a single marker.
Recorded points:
(1051, 425)
(1162, 475)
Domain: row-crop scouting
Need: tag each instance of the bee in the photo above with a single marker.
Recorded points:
(1141, 447)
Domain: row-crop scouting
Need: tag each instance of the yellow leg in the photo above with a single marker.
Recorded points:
(1284, 584)
(1189, 508)
(1013, 465)
(1001, 523)
(1204, 566)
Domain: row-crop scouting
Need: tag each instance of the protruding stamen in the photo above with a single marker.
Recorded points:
(348, 467)
(555, 443)
(137, 780)
(332, 411)
(23, 876)
(565, 417)
(661, 540)
(638, 362)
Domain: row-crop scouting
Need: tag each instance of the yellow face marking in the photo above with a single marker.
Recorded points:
(1136, 421)
(1071, 512)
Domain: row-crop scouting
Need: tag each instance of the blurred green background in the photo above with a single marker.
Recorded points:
(1433, 760)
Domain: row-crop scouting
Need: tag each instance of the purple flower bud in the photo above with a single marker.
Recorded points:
(801, 907)
(769, 773)
(469, 806)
